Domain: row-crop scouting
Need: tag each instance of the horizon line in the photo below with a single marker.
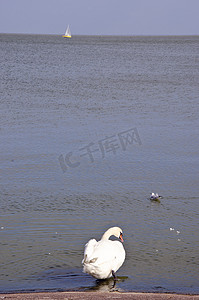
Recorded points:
(127, 35)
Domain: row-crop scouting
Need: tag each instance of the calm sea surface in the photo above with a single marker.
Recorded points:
(89, 127)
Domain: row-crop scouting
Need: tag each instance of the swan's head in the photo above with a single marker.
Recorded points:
(116, 231)
(121, 237)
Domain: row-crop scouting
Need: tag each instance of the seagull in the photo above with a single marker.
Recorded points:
(155, 197)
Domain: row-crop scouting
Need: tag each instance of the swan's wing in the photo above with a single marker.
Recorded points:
(109, 253)
(88, 250)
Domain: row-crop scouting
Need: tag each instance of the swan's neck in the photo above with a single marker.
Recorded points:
(109, 233)
(106, 236)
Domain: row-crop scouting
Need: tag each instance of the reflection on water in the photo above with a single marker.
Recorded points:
(107, 285)
(59, 278)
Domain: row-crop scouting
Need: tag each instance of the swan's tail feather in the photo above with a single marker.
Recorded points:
(91, 261)
(84, 259)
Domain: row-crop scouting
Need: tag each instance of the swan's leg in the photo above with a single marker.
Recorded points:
(115, 279)
(114, 276)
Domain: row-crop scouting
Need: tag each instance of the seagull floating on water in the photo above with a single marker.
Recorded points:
(155, 197)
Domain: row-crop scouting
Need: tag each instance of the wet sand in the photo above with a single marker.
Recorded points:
(97, 296)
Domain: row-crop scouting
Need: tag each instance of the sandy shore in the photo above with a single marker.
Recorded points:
(96, 296)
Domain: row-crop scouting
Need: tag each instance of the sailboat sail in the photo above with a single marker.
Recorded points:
(67, 33)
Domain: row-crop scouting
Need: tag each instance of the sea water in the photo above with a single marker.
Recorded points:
(89, 127)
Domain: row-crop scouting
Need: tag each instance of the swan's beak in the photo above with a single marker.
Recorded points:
(121, 237)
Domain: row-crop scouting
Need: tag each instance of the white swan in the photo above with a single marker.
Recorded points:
(103, 258)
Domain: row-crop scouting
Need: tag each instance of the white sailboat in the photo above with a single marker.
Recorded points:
(67, 33)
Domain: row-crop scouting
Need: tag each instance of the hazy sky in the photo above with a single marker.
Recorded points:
(122, 17)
